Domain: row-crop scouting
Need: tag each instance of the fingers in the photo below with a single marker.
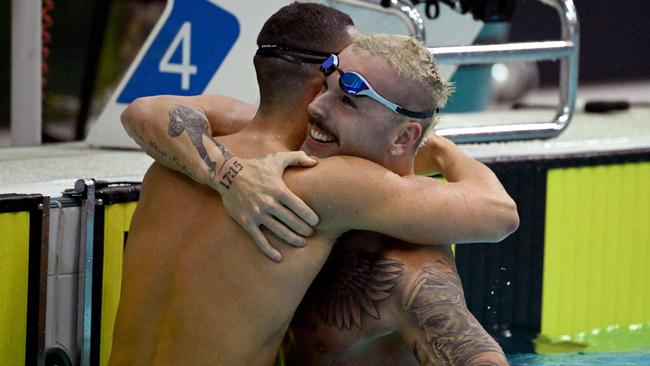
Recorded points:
(297, 158)
(263, 243)
(289, 219)
(283, 232)
(299, 208)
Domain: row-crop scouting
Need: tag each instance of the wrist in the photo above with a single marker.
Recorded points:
(445, 154)
(225, 176)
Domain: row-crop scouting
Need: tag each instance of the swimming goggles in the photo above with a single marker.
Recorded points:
(294, 55)
(353, 83)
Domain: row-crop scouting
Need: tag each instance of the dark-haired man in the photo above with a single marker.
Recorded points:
(206, 294)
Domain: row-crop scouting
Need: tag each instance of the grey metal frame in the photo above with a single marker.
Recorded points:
(44, 210)
(86, 186)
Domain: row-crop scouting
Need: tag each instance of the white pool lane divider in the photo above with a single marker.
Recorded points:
(207, 46)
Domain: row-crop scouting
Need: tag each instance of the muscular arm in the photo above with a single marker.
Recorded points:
(173, 128)
(352, 193)
(177, 132)
(441, 330)
(225, 115)
(187, 134)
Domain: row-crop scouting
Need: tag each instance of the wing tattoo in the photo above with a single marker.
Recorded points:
(354, 287)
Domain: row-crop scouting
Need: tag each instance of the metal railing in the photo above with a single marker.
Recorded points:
(566, 50)
(399, 8)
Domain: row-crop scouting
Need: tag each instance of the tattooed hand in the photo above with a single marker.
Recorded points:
(259, 197)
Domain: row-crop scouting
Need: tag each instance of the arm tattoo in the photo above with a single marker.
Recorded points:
(354, 287)
(229, 176)
(159, 153)
(171, 159)
(185, 119)
(449, 332)
(133, 133)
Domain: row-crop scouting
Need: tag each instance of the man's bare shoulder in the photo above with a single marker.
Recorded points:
(161, 183)
(336, 187)
(334, 170)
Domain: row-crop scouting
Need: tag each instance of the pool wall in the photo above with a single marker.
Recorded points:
(573, 277)
(576, 269)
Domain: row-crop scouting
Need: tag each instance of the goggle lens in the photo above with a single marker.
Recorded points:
(352, 83)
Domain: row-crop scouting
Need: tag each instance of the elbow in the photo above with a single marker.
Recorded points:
(134, 116)
(507, 219)
(511, 219)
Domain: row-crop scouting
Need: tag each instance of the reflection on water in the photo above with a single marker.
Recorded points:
(610, 359)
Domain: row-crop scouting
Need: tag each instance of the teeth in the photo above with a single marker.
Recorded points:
(316, 135)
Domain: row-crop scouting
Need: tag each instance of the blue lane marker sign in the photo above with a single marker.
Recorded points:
(187, 52)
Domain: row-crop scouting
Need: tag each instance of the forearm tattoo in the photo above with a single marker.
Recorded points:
(185, 119)
(354, 286)
(449, 335)
(157, 152)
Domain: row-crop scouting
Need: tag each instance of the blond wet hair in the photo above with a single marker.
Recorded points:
(411, 60)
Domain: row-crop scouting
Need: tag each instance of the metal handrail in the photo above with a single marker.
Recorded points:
(566, 50)
(400, 8)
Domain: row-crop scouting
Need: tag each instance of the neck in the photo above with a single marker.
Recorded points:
(401, 164)
(287, 127)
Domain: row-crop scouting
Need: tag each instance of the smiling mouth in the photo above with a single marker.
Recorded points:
(320, 135)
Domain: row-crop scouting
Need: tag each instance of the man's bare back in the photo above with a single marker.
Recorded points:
(199, 290)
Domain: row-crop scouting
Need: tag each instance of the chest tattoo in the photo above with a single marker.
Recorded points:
(352, 285)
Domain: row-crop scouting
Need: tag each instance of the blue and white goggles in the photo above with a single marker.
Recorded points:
(353, 83)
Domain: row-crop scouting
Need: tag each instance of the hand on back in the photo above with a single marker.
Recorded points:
(259, 197)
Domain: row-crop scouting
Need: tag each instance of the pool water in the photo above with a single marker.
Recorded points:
(569, 359)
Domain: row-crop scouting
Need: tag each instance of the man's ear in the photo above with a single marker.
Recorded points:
(408, 135)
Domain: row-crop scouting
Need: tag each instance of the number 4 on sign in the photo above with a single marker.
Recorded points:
(185, 68)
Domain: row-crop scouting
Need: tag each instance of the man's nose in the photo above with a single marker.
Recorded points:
(317, 106)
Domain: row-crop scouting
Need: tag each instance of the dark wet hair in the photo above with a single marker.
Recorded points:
(307, 26)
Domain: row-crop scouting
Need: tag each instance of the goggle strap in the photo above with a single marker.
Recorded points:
(369, 91)
(425, 114)
(322, 55)
(295, 59)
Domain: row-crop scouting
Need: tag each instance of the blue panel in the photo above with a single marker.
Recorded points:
(213, 33)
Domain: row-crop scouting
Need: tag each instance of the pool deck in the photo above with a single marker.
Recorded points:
(50, 169)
